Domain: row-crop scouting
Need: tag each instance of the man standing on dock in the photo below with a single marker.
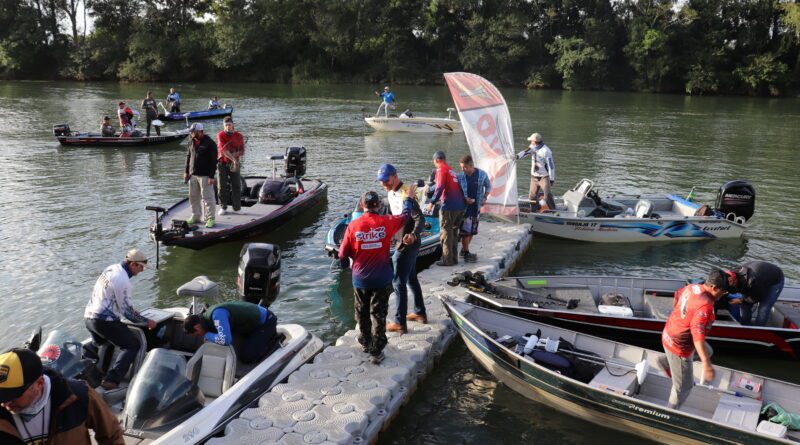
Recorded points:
(367, 241)
(543, 170)
(201, 164)
(685, 333)
(451, 214)
(476, 186)
(406, 243)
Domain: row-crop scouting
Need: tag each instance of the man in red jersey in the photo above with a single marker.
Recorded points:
(685, 333)
(230, 149)
(367, 241)
(451, 214)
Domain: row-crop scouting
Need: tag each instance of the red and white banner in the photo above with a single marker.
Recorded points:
(487, 126)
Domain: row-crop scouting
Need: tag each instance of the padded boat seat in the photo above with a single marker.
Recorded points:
(213, 368)
(659, 307)
(790, 311)
(200, 287)
(740, 412)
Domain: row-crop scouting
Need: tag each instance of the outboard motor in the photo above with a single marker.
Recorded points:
(295, 162)
(61, 130)
(259, 278)
(738, 198)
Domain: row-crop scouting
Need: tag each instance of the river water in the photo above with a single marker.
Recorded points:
(66, 213)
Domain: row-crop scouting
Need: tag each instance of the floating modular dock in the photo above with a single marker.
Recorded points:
(341, 398)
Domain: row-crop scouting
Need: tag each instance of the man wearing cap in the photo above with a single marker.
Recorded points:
(388, 102)
(230, 145)
(106, 129)
(451, 214)
(759, 282)
(685, 333)
(543, 170)
(110, 301)
(150, 112)
(125, 115)
(201, 164)
(367, 241)
(41, 406)
(406, 244)
(174, 101)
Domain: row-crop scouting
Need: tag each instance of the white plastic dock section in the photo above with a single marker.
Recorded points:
(341, 398)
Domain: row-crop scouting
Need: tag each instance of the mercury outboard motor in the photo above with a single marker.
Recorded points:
(259, 278)
(295, 162)
(61, 130)
(738, 198)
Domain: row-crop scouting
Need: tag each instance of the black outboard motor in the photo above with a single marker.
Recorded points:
(277, 191)
(61, 130)
(738, 198)
(295, 162)
(259, 279)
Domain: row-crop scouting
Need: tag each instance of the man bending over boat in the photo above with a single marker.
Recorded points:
(367, 241)
(759, 283)
(388, 102)
(685, 333)
(110, 301)
(255, 325)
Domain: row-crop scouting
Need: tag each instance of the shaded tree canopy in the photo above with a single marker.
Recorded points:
(688, 46)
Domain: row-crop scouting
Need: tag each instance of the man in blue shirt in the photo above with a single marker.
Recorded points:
(174, 101)
(221, 322)
(388, 102)
(476, 186)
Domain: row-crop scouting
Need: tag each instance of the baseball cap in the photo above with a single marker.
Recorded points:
(385, 172)
(439, 155)
(19, 369)
(196, 127)
(370, 200)
(386, 88)
(105, 118)
(122, 102)
(137, 256)
(535, 137)
(718, 279)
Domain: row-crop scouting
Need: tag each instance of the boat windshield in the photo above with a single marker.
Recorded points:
(62, 351)
(157, 386)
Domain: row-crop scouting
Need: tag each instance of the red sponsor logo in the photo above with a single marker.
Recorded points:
(50, 353)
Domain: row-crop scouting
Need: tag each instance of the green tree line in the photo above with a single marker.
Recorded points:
(692, 46)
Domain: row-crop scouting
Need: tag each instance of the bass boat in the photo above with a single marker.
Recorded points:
(92, 139)
(624, 387)
(581, 215)
(196, 115)
(179, 389)
(266, 205)
(634, 310)
(407, 122)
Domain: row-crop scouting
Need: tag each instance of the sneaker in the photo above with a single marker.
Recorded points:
(238, 211)
(394, 327)
(364, 349)
(470, 257)
(442, 264)
(417, 317)
(222, 211)
(192, 221)
(109, 385)
(463, 253)
(377, 359)
(210, 223)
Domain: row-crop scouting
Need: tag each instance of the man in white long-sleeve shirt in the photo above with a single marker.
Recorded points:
(543, 170)
(111, 300)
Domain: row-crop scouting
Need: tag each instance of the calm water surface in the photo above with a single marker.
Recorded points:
(66, 213)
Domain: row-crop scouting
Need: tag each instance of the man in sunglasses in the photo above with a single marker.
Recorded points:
(110, 301)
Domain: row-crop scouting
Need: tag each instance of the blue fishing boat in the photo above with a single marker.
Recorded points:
(196, 115)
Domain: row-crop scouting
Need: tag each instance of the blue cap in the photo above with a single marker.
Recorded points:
(385, 172)
(439, 155)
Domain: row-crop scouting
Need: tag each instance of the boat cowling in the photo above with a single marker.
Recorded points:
(295, 162)
(61, 130)
(737, 198)
(259, 278)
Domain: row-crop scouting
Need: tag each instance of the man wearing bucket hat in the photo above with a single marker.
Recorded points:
(41, 406)
(201, 165)
(543, 170)
(110, 301)
(388, 102)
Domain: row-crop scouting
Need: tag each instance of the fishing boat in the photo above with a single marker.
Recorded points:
(582, 215)
(196, 115)
(634, 310)
(407, 122)
(430, 246)
(621, 386)
(66, 137)
(180, 389)
(267, 203)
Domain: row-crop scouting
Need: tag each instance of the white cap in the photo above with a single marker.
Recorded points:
(197, 126)
(535, 137)
(137, 256)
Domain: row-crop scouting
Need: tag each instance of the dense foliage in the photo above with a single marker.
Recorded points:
(692, 46)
